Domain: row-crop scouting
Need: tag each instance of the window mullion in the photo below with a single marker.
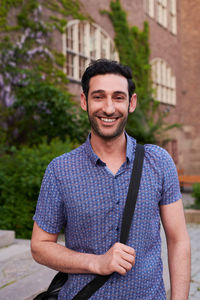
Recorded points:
(98, 43)
(64, 49)
(87, 40)
(164, 82)
(76, 57)
(151, 8)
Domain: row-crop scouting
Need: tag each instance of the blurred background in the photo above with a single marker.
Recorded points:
(45, 47)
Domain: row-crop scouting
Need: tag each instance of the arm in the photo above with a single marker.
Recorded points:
(45, 250)
(178, 245)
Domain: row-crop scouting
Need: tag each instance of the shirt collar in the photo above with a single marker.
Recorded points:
(130, 149)
(92, 155)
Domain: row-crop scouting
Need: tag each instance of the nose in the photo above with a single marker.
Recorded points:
(108, 106)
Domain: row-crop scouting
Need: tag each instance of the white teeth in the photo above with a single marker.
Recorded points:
(108, 120)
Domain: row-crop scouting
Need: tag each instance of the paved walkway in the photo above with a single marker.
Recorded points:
(194, 233)
(21, 277)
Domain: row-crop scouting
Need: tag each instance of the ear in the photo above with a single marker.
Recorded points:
(83, 102)
(133, 103)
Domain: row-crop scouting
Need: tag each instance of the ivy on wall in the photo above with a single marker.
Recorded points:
(133, 47)
(5, 6)
(146, 124)
(66, 8)
(63, 7)
(30, 16)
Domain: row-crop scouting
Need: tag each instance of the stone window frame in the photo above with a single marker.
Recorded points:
(84, 42)
(173, 17)
(161, 7)
(164, 81)
(164, 12)
(149, 7)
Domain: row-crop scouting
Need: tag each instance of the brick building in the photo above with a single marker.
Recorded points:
(174, 41)
(190, 93)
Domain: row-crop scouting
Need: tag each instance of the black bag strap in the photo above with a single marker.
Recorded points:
(132, 193)
(89, 289)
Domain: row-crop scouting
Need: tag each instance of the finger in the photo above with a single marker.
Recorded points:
(126, 265)
(127, 249)
(119, 269)
(130, 251)
(129, 258)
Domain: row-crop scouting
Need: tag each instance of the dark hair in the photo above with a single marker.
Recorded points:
(105, 66)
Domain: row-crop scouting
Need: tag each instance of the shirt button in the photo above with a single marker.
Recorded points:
(117, 228)
(117, 202)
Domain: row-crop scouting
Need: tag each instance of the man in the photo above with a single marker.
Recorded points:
(85, 191)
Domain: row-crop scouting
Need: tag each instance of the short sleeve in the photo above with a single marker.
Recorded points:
(171, 188)
(49, 214)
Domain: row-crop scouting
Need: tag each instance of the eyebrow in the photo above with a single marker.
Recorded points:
(120, 92)
(102, 91)
(97, 91)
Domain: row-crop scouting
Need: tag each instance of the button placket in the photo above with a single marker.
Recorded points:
(117, 206)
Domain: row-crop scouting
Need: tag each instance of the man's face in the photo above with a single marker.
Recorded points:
(108, 105)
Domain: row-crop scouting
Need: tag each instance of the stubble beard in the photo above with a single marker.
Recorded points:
(97, 130)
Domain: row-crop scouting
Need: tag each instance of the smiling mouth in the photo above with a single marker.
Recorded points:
(107, 120)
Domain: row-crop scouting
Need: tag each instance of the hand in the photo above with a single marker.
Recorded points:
(119, 258)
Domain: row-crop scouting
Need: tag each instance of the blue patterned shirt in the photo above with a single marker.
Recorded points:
(80, 193)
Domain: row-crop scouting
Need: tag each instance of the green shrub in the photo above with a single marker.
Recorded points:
(196, 194)
(42, 110)
(21, 174)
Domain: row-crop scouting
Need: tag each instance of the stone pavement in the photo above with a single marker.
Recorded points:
(194, 232)
(21, 277)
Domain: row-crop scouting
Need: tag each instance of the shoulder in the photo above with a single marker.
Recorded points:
(67, 160)
(159, 159)
(156, 153)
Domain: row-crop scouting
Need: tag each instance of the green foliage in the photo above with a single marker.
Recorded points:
(133, 48)
(59, 58)
(146, 124)
(35, 108)
(27, 9)
(60, 24)
(196, 195)
(42, 110)
(63, 7)
(21, 174)
(5, 6)
(35, 100)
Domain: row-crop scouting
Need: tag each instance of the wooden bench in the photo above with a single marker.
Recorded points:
(188, 180)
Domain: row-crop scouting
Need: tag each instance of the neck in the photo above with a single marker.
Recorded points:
(111, 149)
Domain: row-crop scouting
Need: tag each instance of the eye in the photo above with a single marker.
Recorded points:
(98, 97)
(119, 97)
